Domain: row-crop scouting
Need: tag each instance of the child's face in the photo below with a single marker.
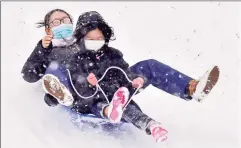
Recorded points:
(94, 40)
(94, 35)
(57, 18)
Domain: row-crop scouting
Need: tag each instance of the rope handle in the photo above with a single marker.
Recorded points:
(99, 88)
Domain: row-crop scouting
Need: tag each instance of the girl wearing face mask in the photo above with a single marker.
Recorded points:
(90, 64)
(56, 46)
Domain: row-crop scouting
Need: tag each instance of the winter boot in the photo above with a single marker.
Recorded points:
(157, 132)
(201, 88)
(115, 109)
(55, 88)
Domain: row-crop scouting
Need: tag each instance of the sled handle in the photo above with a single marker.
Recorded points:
(115, 67)
(98, 87)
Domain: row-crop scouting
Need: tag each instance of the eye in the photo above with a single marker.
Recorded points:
(89, 38)
(67, 21)
(56, 22)
(101, 38)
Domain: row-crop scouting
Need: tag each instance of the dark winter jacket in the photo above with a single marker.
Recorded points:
(35, 66)
(85, 62)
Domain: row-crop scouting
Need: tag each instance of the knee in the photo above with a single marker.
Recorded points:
(53, 66)
(152, 61)
(146, 63)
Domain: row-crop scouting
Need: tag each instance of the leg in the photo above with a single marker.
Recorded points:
(98, 109)
(175, 82)
(115, 107)
(56, 83)
(132, 114)
(135, 116)
(163, 77)
(61, 73)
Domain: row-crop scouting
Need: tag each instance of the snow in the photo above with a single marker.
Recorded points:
(157, 29)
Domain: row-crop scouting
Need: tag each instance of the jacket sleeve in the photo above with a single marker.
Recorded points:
(36, 64)
(50, 100)
(120, 62)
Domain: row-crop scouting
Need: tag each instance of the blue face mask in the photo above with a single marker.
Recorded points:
(62, 31)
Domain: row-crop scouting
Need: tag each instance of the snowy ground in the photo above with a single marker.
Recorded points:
(190, 37)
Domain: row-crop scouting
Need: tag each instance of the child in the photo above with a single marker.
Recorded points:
(52, 48)
(90, 64)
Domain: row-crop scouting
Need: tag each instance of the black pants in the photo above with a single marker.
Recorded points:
(132, 114)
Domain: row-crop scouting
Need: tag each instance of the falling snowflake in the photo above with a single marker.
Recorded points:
(91, 64)
(175, 38)
(34, 71)
(180, 76)
(173, 7)
(80, 79)
(177, 94)
(237, 35)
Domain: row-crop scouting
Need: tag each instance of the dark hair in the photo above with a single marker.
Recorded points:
(45, 23)
(107, 31)
(91, 20)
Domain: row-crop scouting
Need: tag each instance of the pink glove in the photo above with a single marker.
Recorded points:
(92, 79)
(138, 82)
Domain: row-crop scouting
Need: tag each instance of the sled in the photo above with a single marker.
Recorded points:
(92, 119)
(90, 122)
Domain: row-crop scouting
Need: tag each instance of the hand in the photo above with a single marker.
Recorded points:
(47, 40)
(138, 82)
(92, 79)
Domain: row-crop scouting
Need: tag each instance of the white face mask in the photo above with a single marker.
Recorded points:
(94, 44)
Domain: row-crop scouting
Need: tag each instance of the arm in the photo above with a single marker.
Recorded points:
(36, 64)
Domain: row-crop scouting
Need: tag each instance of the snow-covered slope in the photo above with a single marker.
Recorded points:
(190, 37)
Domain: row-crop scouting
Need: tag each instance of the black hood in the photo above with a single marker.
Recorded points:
(89, 21)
